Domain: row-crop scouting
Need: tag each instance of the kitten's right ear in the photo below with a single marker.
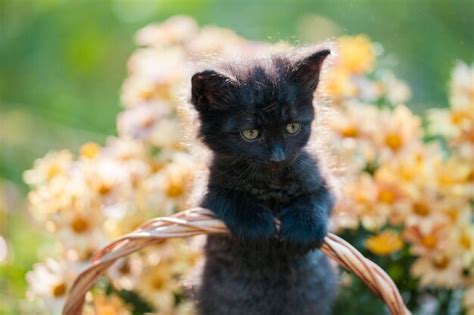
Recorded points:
(209, 90)
(308, 70)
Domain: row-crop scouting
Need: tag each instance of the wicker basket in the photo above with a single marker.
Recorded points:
(202, 221)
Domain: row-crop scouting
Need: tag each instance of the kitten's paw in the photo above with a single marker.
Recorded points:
(254, 225)
(302, 230)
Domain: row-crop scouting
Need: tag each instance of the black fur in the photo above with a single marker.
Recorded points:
(261, 269)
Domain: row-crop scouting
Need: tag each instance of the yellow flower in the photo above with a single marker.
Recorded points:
(356, 54)
(108, 305)
(384, 243)
(90, 150)
(339, 84)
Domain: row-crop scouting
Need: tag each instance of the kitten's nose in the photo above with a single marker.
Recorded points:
(277, 154)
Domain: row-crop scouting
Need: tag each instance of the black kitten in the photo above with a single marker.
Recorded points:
(256, 118)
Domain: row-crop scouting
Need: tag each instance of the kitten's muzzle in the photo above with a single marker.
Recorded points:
(277, 154)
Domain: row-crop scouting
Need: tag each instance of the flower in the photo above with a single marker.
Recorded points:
(176, 30)
(50, 281)
(462, 89)
(339, 85)
(398, 130)
(125, 273)
(457, 123)
(107, 179)
(356, 54)
(63, 192)
(213, 40)
(46, 169)
(90, 150)
(164, 265)
(3, 250)
(158, 286)
(79, 232)
(396, 91)
(108, 305)
(168, 189)
(439, 269)
(425, 241)
(403, 191)
(384, 243)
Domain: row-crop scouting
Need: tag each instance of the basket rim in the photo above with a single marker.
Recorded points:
(198, 221)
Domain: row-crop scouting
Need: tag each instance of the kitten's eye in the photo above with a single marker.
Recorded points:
(250, 134)
(293, 128)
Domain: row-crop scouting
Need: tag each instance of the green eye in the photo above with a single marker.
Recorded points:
(293, 128)
(250, 134)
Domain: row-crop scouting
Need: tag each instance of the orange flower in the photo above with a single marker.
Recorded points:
(108, 305)
(384, 243)
(357, 54)
(90, 150)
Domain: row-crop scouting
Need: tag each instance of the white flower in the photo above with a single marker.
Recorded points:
(45, 169)
(153, 124)
(125, 272)
(108, 179)
(462, 86)
(79, 232)
(168, 190)
(3, 250)
(50, 281)
(124, 149)
(396, 91)
(438, 270)
(158, 65)
(175, 30)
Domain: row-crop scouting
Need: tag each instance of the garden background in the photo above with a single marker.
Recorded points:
(62, 64)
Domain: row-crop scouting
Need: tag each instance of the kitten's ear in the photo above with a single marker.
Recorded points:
(308, 70)
(209, 90)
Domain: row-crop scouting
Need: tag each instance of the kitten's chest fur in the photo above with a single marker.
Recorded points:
(273, 190)
(263, 279)
(270, 185)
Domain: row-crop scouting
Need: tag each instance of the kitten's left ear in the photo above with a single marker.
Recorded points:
(308, 69)
(210, 90)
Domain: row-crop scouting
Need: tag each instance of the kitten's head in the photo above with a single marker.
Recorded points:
(260, 111)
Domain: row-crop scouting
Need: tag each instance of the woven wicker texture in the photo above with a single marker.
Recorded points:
(202, 221)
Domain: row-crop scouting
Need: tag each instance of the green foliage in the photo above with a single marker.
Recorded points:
(22, 255)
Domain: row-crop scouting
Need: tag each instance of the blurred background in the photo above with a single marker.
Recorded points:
(62, 64)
